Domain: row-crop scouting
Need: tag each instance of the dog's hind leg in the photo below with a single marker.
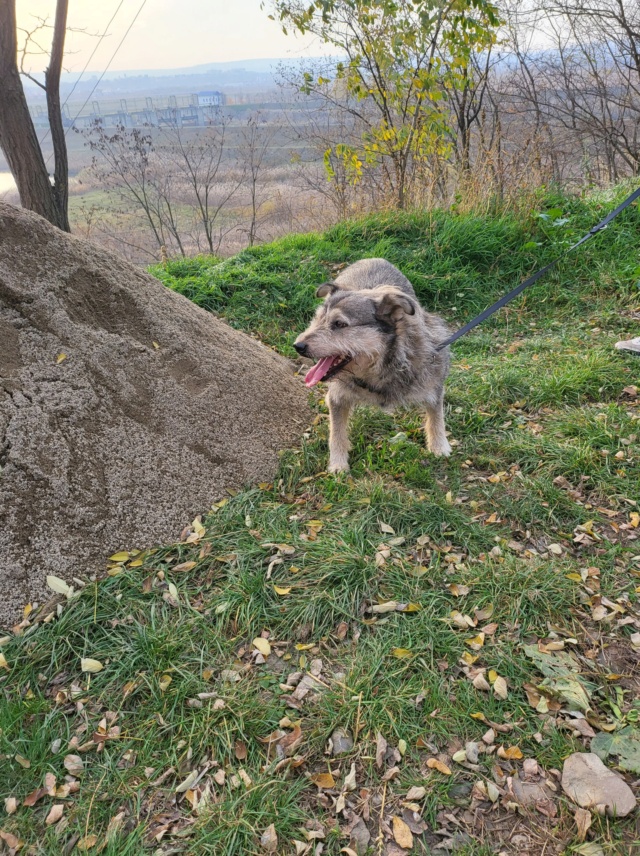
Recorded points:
(434, 426)
(339, 445)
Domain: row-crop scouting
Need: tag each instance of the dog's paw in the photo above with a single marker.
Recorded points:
(442, 450)
(342, 467)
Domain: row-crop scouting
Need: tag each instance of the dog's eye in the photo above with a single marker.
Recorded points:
(340, 325)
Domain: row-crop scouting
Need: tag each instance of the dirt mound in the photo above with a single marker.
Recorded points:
(124, 409)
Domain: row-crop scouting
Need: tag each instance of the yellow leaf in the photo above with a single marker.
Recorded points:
(469, 658)
(401, 653)
(27, 610)
(304, 646)
(87, 842)
(282, 590)
(293, 569)
(207, 674)
(136, 563)
(492, 675)
(262, 645)
(402, 833)
(164, 682)
(60, 358)
(476, 642)
(511, 753)
(575, 577)
(323, 780)
(3, 662)
(634, 519)
(91, 666)
(500, 687)
(119, 557)
(155, 345)
(434, 764)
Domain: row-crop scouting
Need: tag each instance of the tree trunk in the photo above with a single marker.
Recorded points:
(18, 138)
(52, 87)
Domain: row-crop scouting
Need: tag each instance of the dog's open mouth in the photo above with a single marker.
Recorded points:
(325, 369)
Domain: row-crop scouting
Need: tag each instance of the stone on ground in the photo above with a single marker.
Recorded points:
(125, 410)
(590, 784)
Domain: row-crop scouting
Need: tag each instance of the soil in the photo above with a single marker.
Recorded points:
(125, 410)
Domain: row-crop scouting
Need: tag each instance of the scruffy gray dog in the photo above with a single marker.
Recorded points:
(376, 345)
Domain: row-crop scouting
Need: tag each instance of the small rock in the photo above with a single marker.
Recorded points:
(530, 767)
(590, 784)
(341, 742)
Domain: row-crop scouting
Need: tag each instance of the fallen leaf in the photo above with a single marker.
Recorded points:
(10, 840)
(458, 590)
(74, 765)
(188, 782)
(435, 764)
(324, 781)
(240, 750)
(59, 586)
(388, 530)
(60, 358)
(511, 753)
(583, 821)
(10, 805)
(381, 608)
(55, 814)
(500, 688)
(401, 653)
(164, 682)
(87, 664)
(402, 833)
(416, 793)
(624, 743)
(282, 590)
(87, 842)
(476, 642)
(185, 566)
(263, 646)
(381, 748)
(563, 678)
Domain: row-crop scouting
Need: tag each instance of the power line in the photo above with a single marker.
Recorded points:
(93, 53)
(113, 56)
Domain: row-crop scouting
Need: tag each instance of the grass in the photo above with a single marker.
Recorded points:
(545, 452)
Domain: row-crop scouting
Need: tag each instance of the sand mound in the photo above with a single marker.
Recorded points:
(155, 408)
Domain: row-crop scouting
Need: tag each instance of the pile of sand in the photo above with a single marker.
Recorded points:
(125, 410)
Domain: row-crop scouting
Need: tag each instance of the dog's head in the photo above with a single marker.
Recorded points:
(352, 328)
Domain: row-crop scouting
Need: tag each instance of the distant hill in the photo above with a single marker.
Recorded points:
(240, 75)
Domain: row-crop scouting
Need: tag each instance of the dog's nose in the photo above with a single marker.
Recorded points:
(301, 348)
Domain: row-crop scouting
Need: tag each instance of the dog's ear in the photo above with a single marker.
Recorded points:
(326, 289)
(393, 306)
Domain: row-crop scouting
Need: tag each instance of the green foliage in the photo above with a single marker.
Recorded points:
(401, 58)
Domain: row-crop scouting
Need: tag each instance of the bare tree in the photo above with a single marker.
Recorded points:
(256, 139)
(18, 138)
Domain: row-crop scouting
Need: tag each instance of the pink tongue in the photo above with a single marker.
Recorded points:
(315, 374)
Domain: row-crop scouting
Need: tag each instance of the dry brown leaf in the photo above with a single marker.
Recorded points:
(381, 748)
(240, 750)
(74, 765)
(435, 764)
(10, 805)
(55, 814)
(10, 840)
(583, 821)
(416, 793)
(87, 842)
(402, 833)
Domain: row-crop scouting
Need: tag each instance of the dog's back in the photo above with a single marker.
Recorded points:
(370, 273)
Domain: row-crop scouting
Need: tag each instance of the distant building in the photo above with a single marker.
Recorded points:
(210, 99)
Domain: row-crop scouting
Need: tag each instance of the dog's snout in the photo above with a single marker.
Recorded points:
(301, 348)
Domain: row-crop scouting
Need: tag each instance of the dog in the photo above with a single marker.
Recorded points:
(375, 345)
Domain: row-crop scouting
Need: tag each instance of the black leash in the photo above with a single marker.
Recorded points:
(536, 276)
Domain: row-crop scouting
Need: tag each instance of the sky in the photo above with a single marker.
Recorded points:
(167, 33)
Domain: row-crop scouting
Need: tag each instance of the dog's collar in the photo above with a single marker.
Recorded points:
(364, 385)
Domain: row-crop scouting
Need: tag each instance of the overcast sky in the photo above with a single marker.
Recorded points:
(167, 33)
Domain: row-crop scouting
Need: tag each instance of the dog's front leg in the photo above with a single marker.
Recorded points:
(339, 445)
(434, 427)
